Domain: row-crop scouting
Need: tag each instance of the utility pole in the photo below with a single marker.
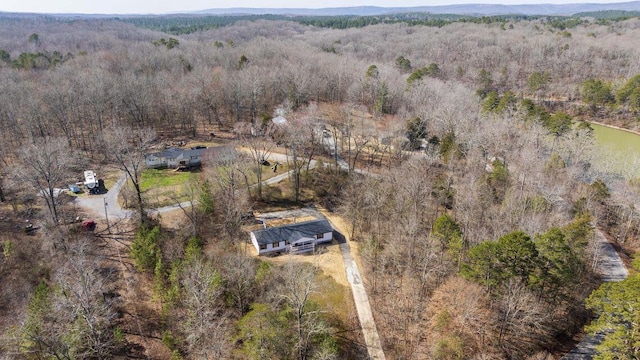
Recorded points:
(106, 215)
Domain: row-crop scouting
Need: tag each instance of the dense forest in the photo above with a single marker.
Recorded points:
(469, 188)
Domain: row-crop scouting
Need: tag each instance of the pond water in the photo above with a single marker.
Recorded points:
(620, 150)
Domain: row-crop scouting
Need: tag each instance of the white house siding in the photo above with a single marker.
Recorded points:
(254, 241)
(280, 246)
(153, 162)
(328, 237)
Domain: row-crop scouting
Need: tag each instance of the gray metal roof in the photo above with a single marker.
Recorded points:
(292, 232)
(173, 153)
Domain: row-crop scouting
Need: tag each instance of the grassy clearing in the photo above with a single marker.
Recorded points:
(334, 296)
(161, 188)
(340, 309)
(154, 178)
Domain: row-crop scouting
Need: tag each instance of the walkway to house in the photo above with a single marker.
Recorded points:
(363, 307)
(368, 325)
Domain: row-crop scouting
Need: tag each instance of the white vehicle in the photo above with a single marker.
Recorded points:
(90, 179)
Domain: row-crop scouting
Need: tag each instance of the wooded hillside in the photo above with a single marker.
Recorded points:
(468, 188)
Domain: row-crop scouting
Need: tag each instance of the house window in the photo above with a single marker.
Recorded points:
(320, 236)
(275, 245)
(263, 246)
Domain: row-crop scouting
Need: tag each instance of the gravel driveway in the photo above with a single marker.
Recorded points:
(94, 205)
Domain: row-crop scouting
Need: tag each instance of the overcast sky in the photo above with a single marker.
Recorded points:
(168, 6)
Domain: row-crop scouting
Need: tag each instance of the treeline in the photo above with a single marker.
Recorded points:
(346, 22)
(188, 24)
(178, 25)
(182, 24)
(613, 15)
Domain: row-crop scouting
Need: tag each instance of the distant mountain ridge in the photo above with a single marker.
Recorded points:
(461, 9)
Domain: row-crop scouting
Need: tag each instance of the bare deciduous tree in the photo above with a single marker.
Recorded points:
(300, 141)
(299, 284)
(127, 148)
(86, 305)
(44, 167)
(239, 275)
(227, 179)
(202, 301)
(260, 149)
(75, 316)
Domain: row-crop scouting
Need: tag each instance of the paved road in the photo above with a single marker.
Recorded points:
(95, 204)
(611, 268)
(172, 207)
(586, 349)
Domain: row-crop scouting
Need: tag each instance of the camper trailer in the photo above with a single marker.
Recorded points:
(90, 179)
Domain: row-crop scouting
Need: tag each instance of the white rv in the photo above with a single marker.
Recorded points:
(90, 179)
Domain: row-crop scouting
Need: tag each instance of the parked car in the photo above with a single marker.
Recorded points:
(89, 225)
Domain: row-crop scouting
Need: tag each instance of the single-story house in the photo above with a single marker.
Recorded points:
(175, 157)
(293, 238)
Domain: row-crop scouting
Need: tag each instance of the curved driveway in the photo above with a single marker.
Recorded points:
(95, 204)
